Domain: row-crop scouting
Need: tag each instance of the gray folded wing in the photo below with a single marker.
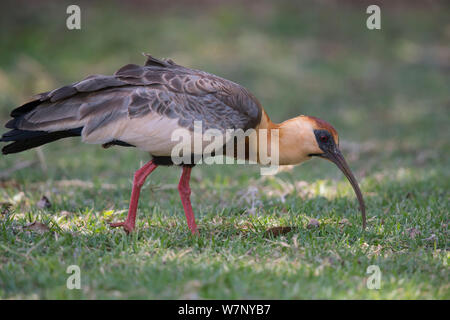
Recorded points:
(160, 87)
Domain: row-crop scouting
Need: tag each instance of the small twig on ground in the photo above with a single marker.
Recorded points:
(42, 160)
(18, 166)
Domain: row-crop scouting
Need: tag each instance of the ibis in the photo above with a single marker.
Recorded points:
(142, 106)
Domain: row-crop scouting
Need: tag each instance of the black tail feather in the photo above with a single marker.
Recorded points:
(25, 139)
(25, 108)
(11, 124)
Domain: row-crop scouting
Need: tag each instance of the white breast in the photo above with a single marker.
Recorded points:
(151, 133)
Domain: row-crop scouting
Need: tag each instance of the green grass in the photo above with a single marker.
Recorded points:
(385, 91)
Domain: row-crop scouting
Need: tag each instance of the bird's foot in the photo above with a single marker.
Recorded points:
(127, 226)
(194, 230)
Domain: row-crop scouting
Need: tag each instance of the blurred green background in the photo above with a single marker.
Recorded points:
(385, 91)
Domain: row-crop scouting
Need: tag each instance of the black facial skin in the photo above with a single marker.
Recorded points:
(331, 152)
(325, 140)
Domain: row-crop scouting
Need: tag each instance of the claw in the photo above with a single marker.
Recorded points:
(128, 227)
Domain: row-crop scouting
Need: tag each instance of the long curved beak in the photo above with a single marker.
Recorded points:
(337, 158)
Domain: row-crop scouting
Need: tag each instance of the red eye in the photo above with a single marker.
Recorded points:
(323, 138)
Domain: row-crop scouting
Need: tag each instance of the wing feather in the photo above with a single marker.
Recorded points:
(160, 89)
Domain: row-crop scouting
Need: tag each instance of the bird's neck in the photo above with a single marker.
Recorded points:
(287, 137)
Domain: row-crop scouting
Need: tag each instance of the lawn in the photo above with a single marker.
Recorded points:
(385, 91)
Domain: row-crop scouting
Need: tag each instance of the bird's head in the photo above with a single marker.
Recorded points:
(311, 137)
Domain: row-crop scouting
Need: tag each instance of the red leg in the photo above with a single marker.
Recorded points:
(185, 193)
(138, 181)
